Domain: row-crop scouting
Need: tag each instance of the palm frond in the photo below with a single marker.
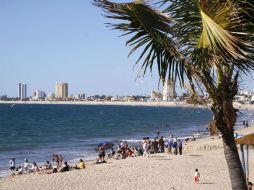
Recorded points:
(221, 26)
(152, 32)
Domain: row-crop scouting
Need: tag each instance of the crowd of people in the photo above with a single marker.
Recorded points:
(157, 145)
(57, 165)
(148, 147)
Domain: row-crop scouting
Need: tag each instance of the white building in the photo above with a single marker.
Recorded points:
(245, 92)
(22, 90)
(79, 96)
(51, 96)
(39, 95)
(168, 92)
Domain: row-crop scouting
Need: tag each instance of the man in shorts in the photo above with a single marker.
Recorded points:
(12, 164)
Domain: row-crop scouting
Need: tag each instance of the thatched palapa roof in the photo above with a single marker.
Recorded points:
(246, 140)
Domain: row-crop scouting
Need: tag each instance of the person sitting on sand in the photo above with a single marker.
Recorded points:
(102, 152)
(20, 170)
(101, 156)
(121, 145)
(112, 154)
(118, 155)
(140, 152)
(193, 138)
(48, 166)
(54, 169)
(35, 167)
(12, 164)
(135, 151)
(81, 165)
(100, 160)
(130, 153)
(65, 167)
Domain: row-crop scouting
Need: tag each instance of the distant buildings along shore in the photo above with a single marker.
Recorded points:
(168, 93)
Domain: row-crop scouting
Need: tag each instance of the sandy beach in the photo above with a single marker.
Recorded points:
(160, 171)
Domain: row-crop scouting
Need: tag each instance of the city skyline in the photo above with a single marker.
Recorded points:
(47, 41)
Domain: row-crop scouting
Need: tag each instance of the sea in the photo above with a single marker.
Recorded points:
(36, 131)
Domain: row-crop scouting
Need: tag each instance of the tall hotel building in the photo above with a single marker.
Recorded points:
(61, 90)
(22, 91)
(169, 90)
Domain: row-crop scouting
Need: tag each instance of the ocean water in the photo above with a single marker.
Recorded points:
(38, 131)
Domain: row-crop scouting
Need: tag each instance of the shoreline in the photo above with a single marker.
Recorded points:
(122, 103)
(136, 143)
(206, 154)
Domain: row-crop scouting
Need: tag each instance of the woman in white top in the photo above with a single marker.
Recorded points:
(35, 168)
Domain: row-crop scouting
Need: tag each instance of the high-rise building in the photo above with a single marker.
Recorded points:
(39, 95)
(61, 90)
(22, 88)
(169, 90)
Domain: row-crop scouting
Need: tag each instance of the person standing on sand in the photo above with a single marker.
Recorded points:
(161, 144)
(155, 145)
(170, 145)
(60, 156)
(175, 146)
(180, 146)
(26, 163)
(12, 164)
(56, 160)
(145, 147)
(196, 176)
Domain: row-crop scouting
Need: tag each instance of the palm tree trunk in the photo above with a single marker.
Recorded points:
(225, 118)
(236, 173)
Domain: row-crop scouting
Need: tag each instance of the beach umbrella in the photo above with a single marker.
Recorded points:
(104, 145)
(246, 140)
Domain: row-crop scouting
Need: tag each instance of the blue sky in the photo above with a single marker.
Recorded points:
(45, 41)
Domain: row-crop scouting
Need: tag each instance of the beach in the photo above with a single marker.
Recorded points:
(160, 171)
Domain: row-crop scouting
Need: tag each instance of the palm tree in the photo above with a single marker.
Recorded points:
(207, 43)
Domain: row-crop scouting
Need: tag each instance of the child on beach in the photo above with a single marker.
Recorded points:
(250, 186)
(196, 176)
